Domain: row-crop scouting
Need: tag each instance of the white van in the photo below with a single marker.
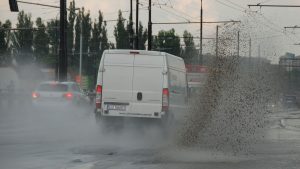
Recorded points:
(141, 84)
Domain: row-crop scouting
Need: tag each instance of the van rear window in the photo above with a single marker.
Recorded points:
(53, 88)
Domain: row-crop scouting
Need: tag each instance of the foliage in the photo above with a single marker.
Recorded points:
(4, 41)
(167, 41)
(143, 37)
(121, 33)
(70, 34)
(40, 41)
(190, 52)
(24, 38)
(83, 21)
(44, 41)
(53, 33)
(98, 43)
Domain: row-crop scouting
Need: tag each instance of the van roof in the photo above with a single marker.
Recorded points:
(142, 52)
(128, 51)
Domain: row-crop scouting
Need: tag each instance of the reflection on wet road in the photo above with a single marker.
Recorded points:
(62, 139)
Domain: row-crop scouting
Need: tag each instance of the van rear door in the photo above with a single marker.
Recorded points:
(147, 85)
(117, 82)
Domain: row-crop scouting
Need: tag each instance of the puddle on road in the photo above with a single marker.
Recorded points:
(199, 156)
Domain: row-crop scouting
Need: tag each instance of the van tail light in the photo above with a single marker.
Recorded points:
(98, 96)
(165, 100)
(35, 95)
(68, 96)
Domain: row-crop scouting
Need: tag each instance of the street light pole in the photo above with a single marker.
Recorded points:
(200, 58)
(217, 41)
(238, 42)
(137, 26)
(131, 27)
(63, 59)
(150, 28)
(80, 55)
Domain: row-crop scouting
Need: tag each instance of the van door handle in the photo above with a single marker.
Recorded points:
(139, 96)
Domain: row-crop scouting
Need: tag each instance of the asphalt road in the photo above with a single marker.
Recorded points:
(56, 139)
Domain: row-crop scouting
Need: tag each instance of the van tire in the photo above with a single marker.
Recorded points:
(108, 124)
(168, 123)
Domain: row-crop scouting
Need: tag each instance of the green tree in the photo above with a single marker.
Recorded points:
(104, 40)
(121, 33)
(96, 35)
(70, 34)
(99, 42)
(53, 33)
(77, 38)
(190, 52)
(167, 41)
(4, 41)
(143, 37)
(84, 19)
(99, 39)
(41, 41)
(24, 38)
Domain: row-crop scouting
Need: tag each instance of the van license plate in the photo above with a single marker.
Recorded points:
(116, 107)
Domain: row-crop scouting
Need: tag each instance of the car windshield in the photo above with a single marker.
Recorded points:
(53, 88)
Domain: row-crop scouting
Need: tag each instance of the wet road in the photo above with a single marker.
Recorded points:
(60, 139)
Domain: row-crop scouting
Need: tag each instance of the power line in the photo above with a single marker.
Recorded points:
(39, 4)
(291, 27)
(182, 13)
(170, 3)
(175, 23)
(158, 3)
(235, 4)
(167, 11)
(34, 29)
(265, 1)
(181, 37)
(229, 6)
(279, 30)
(279, 6)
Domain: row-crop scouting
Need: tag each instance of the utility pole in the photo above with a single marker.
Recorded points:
(131, 27)
(250, 54)
(238, 43)
(80, 54)
(63, 59)
(259, 51)
(137, 26)
(200, 57)
(217, 41)
(150, 28)
(250, 45)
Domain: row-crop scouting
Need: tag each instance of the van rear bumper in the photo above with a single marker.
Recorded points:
(155, 115)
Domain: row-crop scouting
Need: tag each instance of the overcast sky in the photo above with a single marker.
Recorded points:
(272, 38)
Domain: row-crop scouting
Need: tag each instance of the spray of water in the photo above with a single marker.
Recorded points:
(229, 115)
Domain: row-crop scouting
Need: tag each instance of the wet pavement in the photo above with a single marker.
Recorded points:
(72, 139)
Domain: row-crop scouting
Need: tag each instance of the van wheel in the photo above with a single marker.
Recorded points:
(108, 124)
(167, 123)
(101, 122)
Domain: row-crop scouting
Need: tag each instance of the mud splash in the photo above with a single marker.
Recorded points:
(229, 114)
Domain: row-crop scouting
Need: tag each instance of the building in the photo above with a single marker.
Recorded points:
(290, 62)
